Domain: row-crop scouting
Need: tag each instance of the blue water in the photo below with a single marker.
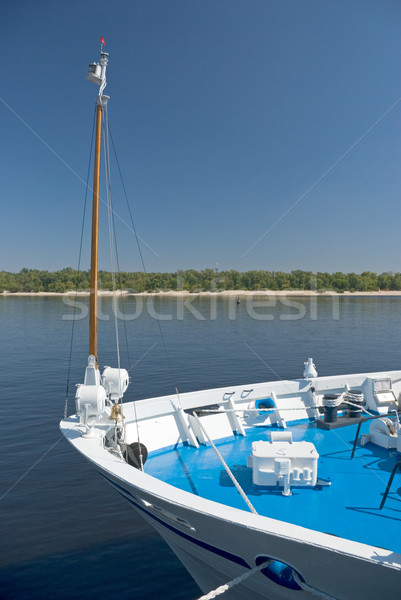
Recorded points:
(65, 533)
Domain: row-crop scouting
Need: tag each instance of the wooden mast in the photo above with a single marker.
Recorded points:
(95, 238)
(97, 75)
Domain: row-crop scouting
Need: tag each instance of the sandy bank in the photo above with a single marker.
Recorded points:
(226, 293)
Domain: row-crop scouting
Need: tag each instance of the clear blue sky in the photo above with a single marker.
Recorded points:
(224, 113)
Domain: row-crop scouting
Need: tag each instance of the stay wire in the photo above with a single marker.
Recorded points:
(113, 246)
(79, 267)
(127, 202)
(142, 259)
(122, 300)
(121, 296)
(115, 238)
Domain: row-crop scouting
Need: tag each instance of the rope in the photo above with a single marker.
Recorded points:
(237, 580)
(227, 468)
(354, 396)
(332, 402)
(353, 399)
(241, 578)
(78, 269)
(359, 407)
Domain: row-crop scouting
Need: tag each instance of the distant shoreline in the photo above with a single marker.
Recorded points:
(242, 294)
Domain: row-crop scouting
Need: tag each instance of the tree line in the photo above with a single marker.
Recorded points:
(68, 279)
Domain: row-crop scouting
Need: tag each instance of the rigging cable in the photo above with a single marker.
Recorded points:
(122, 299)
(141, 256)
(79, 267)
(117, 264)
(114, 266)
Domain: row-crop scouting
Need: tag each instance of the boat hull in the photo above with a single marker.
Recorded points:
(215, 551)
(217, 542)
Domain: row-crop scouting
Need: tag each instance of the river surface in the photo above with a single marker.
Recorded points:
(65, 533)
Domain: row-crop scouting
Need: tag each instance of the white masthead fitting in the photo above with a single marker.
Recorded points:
(97, 72)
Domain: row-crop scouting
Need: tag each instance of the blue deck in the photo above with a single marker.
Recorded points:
(348, 508)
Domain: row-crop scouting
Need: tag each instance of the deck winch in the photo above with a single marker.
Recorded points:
(283, 462)
(384, 432)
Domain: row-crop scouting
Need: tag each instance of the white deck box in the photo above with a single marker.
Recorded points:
(284, 462)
